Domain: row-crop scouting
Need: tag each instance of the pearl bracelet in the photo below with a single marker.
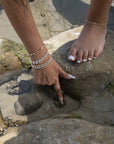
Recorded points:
(43, 65)
(40, 60)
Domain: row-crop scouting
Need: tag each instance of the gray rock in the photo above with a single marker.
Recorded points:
(91, 77)
(60, 131)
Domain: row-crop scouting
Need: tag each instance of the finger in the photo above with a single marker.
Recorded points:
(58, 91)
(66, 75)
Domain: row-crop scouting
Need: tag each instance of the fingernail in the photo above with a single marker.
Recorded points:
(71, 76)
(78, 61)
(61, 100)
(94, 57)
(84, 60)
(70, 57)
(89, 59)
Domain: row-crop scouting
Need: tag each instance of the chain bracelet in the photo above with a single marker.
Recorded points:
(31, 54)
(95, 22)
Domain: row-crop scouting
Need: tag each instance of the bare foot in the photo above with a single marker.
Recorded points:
(89, 44)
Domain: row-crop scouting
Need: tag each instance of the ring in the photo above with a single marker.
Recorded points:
(61, 98)
(56, 86)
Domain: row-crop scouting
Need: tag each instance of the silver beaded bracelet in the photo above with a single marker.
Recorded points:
(40, 60)
(43, 65)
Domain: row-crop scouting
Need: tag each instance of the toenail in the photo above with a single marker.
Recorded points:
(84, 60)
(78, 61)
(89, 58)
(94, 57)
(71, 57)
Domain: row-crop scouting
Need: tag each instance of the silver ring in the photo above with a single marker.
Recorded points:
(56, 86)
(61, 98)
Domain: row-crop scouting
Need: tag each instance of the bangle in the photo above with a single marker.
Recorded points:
(31, 54)
(43, 65)
(40, 60)
(95, 22)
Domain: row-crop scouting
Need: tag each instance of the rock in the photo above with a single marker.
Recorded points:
(89, 84)
(92, 78)
(53, 17)
(8, 100)
(7, 76)
(28, 103)
(9, 62)
(60, 131)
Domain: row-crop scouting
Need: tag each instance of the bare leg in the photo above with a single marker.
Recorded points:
(92, 38)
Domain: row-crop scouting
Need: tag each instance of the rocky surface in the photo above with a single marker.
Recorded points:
(90, 96)
(60, 131)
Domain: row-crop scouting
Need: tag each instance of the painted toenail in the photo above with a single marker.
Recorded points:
(70, 57)
(78, 61)
(94, 57)
(89, 59)
(84, 60)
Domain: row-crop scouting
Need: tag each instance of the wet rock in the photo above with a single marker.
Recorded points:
(15, 105)
(60, 131)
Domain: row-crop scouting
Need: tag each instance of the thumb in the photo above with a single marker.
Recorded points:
(66, 75)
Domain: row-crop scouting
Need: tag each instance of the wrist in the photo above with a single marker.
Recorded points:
(38, 55)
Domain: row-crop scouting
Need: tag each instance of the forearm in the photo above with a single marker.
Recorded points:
(99, 11)
(20, 16)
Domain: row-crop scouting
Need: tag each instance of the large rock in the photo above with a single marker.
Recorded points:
(60, 131)
(92, 79)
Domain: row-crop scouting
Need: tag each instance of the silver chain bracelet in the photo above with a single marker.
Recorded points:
(43, 65)
(40, 60)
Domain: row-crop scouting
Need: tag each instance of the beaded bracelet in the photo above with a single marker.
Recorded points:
(40, 60)
(43, 65)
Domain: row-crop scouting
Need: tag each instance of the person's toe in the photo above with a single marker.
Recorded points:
(79, 56)
(90, 55)
(95, 54)
(84, 57)
(72, 54)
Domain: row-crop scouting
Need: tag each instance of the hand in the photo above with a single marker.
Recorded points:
(49, 75)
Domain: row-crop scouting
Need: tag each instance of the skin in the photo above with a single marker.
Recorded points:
(20, 16)
(92, 38)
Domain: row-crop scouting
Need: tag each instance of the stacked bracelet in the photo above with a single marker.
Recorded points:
(43, 65)
(40, 60)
